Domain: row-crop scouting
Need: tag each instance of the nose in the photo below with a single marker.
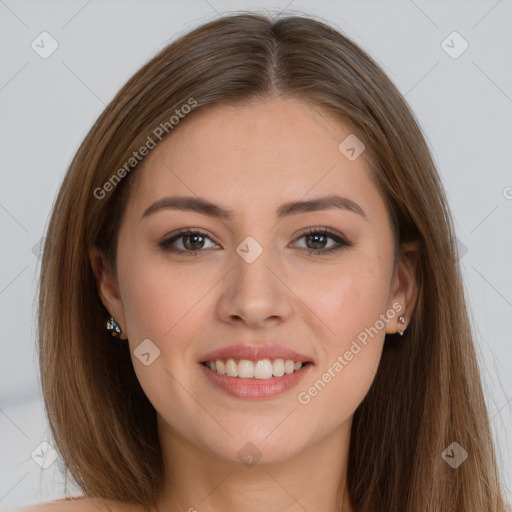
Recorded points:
(255, 294)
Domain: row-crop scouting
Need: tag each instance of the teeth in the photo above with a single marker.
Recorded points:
(278, 368)
(289, 366)
(246, 369)
(221, 367)
(261, 369)
(231, 368)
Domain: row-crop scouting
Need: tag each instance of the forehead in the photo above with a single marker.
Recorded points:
(253, 153)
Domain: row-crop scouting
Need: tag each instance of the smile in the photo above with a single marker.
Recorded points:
(261, 369)
(254, 377)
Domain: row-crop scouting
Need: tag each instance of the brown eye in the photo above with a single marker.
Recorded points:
(317, 241)
(193, 242)
(187, 242)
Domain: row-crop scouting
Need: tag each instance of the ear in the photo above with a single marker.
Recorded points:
(108, 290)
(404, 286)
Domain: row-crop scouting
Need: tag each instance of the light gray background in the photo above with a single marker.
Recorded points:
(464, 106)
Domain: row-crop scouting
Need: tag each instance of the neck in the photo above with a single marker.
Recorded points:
(199, 480)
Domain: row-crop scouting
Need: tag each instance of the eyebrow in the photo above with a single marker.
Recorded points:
(199, 205)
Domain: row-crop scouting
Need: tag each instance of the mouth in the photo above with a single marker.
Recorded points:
(255, 372)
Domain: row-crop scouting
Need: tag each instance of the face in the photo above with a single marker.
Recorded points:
(274, 272)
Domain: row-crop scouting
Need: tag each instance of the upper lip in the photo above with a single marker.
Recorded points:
(254, 353)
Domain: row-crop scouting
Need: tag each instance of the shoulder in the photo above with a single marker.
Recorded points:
(80, 504)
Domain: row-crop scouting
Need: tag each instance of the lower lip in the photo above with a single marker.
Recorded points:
(255, 389)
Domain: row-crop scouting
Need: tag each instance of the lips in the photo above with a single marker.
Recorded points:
(255, 372)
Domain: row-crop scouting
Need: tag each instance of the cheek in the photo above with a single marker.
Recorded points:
(167, 305)
(350, 298)
(157, 297)
(163, 305)
(353, 307)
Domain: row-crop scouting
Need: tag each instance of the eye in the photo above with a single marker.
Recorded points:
(187, 241)
(317, 239)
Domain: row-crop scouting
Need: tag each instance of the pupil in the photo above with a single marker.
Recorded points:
(194, 242)
(316, 242)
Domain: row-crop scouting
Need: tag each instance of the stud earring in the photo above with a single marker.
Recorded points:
(113, 327)
(401, 319)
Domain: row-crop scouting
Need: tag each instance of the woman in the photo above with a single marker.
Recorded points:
(257, 220)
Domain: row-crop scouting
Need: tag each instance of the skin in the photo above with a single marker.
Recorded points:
(251, 158)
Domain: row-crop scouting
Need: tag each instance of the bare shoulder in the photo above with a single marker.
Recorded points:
(80, 504)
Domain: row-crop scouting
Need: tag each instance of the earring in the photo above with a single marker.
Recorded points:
(401, 319)
(113, 327)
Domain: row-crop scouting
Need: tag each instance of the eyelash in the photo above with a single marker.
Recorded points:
(166, 245)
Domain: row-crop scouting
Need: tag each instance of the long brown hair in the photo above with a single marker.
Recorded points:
(427, 392)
